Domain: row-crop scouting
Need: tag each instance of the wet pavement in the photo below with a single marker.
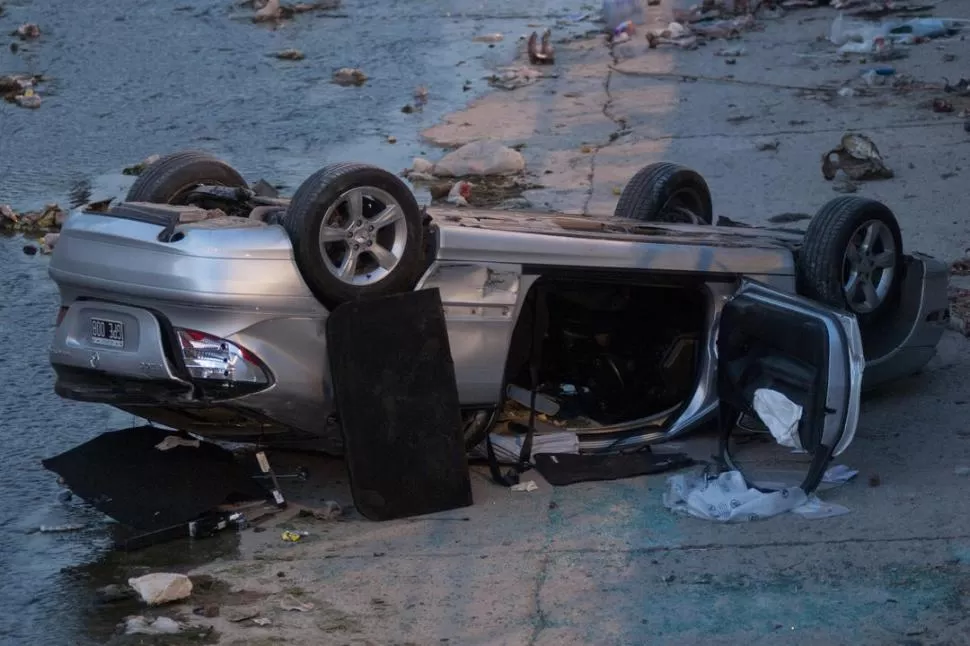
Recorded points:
(155, 77)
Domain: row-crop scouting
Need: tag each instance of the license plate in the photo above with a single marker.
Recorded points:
(108, 333)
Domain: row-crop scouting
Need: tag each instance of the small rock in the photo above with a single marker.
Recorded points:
(30, 249)
(765, 144)
(28, 31)
(391, 139)
(349, 76)
(586, 149)
(440, 190)
(290, 55)
(408, 109)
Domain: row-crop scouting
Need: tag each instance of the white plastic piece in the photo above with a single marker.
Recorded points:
(781, 415)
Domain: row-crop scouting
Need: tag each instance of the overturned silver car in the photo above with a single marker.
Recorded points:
(216, 325)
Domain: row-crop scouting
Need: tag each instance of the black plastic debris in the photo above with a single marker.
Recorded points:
(124, 476)
(561, 469)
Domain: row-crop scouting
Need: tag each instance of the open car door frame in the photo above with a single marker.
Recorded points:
(809, 352)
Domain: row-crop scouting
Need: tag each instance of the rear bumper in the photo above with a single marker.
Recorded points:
(146, 355)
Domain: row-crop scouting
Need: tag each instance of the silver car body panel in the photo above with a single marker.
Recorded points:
(239, 281)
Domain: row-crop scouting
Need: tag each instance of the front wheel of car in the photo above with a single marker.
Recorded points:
(171, 178)
(357, 232)
(852, 258)
(665, 192)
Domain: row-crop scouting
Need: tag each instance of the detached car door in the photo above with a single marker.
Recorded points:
(795, 366)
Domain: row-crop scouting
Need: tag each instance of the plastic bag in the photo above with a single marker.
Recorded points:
(728, 499)
(483, 157)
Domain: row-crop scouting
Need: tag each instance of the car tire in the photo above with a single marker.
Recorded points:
(336, 253)
(852, 258)
(665, 192)
(169, 179)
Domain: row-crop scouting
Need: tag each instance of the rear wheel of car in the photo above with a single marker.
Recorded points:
(665, 192)
(170, 179)
(852, 258)
(357, 232)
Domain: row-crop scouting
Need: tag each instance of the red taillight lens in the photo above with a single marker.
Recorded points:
(209, 357)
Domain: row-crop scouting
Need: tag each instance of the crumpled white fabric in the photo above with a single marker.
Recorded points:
(780, 414)
(728, 499)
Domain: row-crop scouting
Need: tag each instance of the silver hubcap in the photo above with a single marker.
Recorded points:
(363, 235)
(869, 266)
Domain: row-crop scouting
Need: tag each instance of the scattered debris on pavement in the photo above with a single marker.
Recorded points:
(349, 76)
(460, 193)
(21, 89)
(290, 55)
(960, 88)
(488, 38)
(27, 31)
(942, 105)
(527, 486)
(541, 53)
(329, 510)
(421, 95)
(274, 10)
(289, 603)
(766, 143)
(136, 169)
(514, 77)
(138, 625)
(161, 587)
(858, 157)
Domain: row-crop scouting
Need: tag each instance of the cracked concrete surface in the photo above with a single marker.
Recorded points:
(606, 563)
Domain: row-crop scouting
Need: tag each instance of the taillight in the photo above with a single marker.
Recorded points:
(60, 316)
(215, 359)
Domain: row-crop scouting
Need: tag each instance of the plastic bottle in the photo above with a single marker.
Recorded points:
(923, 28)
